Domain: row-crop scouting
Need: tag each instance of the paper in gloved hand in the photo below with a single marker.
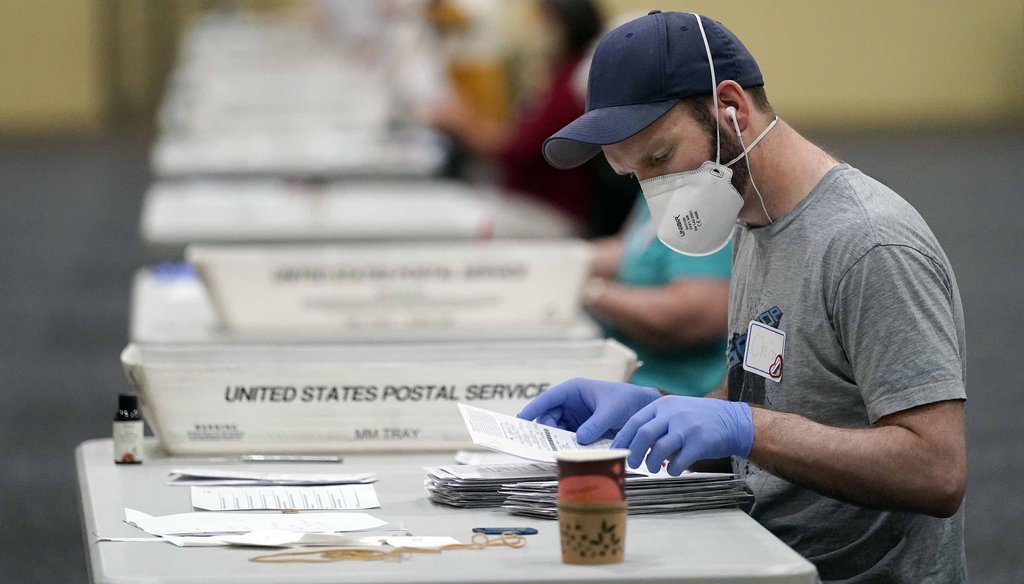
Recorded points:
(521, 438)
(530, 440)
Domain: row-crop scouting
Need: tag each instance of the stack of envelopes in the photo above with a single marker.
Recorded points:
(661, 493)
(479, 485)
(531, 488)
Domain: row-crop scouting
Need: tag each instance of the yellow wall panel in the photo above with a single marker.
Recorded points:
(826, 63)
(873, 62)
(50, 71)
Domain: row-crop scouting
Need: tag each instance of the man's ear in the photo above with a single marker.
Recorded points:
(731, 95)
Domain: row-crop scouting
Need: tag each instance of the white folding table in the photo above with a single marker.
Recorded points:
(703, 546)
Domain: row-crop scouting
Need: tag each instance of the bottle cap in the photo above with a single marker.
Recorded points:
(127, 402)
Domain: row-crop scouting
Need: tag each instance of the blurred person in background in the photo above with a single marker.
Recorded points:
(472, 37)
(515, 144)
(671, 309)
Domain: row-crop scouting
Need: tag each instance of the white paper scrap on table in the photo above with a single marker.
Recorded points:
(318, 498)
(192, 541)
(212, 523)
(180, 541)
(219, 476)
(421, 542)
(280, 538)
(521, 438)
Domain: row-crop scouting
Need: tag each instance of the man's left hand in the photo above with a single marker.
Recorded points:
(688, 429)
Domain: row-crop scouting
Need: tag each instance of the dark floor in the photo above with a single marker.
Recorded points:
(69, 245)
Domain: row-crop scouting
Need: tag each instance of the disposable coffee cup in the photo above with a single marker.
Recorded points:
(592, 505)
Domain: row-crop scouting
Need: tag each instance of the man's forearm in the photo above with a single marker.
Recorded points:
(886, 466)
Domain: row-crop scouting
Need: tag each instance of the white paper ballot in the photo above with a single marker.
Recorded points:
(207, 523)
(521, 438)
(219, 476)
(319, 498)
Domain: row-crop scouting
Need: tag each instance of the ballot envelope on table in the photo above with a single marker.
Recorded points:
(266, 210)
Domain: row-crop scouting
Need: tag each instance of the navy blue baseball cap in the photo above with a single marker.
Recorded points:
(640, 71)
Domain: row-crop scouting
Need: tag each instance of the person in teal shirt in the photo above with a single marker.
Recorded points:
(669, 308)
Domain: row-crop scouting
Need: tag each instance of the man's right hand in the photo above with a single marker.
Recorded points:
(591, 408)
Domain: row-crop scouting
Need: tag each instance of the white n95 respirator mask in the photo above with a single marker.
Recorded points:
(695, 211)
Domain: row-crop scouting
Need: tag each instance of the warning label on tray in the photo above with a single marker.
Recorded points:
(214, 433)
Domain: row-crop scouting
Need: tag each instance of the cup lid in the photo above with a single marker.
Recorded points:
(591, 455)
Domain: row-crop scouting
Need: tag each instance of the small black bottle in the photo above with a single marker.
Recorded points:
(128, 431)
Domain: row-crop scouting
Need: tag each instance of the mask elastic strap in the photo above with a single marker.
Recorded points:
(747, 149)
(746, 160)
(714, 91)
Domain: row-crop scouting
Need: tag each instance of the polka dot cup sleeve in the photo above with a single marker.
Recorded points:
(592, 505)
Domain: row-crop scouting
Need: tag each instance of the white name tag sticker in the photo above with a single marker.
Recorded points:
(765, 352)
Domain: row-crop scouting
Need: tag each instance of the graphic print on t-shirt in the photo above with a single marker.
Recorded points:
(744, 385)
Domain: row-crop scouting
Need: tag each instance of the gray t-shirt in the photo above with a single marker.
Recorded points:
(873, 325)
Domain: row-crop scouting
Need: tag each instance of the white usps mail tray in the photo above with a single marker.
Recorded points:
(207, 399)
(410, 153)
(267, 210)
(172, 306)
(396, 285)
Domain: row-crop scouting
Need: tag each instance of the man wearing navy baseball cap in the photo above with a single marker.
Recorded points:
(847, 356)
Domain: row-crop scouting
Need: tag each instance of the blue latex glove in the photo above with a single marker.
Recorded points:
(688, 429)
(589, 407)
